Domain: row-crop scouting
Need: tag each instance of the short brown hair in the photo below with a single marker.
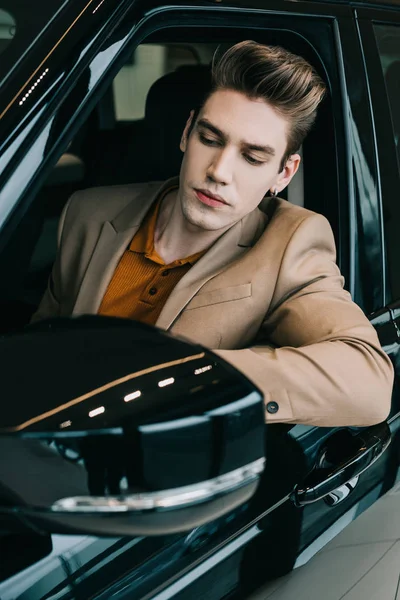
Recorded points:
(287, 82)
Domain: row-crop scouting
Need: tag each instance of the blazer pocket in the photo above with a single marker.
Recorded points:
(235, 292)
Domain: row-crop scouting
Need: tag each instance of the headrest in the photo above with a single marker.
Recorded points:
(168, 105)
(174, 95)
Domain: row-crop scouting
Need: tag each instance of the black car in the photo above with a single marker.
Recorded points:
(134, 464)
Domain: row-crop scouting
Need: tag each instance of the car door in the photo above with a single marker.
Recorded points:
(267, 537)
(264, 537)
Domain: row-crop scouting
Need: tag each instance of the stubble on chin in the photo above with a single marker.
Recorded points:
(195, 214)
(199, 216)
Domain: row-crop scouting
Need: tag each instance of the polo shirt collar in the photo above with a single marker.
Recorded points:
(143, 240)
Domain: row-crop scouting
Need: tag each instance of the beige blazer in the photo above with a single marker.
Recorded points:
(267, 297)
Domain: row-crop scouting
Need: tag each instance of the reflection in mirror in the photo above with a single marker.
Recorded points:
(7, 29)
(84, 487)
(116, 427)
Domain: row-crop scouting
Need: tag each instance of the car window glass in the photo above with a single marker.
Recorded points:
(388, 40)
(7, 29)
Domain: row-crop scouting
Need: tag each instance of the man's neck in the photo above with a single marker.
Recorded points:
(174, 237)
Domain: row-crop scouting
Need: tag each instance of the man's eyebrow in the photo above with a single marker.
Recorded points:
(248, 145)
(269, 150)
(207, 125)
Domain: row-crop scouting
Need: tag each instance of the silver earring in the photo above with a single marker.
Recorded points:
(274, 192)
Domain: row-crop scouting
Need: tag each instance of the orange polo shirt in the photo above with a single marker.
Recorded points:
(142, 281)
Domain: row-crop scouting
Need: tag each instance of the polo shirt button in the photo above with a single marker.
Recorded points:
(272, 407)
(152, 291)
(164, 273)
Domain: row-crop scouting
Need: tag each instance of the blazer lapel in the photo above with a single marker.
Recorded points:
(104, 261)
(114, 238)
(229, 247)
(116, 235)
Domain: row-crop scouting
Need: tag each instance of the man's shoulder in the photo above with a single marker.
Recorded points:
(104, 203)
(281, 213)
(289, 223)
(293, 212)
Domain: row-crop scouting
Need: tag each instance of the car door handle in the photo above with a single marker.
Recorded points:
(363, 449)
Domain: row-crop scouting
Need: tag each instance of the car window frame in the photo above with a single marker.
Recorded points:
(109, 70)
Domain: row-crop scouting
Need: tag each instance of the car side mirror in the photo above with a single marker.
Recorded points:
(112, 427)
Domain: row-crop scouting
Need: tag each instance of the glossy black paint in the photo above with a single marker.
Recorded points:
(132, 523)
(84, 362)
(334, 471)
(137, 410)
(263, 537)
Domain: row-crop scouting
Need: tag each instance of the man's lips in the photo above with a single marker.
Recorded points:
(206, 197)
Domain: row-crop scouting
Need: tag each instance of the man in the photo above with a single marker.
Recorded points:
(198, 257)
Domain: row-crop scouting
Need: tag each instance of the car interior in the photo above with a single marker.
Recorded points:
(133, 135)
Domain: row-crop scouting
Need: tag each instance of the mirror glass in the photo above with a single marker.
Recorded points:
(113, 417)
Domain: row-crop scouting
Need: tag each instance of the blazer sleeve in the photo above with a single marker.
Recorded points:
(51, 302)
(317, 358)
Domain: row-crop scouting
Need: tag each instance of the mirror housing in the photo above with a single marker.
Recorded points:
(114, 427)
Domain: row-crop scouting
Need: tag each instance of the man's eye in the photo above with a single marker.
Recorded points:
(208, 141)
(253, 161)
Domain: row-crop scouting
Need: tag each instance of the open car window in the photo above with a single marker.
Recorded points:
(131, 136)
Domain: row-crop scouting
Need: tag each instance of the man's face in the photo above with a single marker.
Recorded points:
(231, 159)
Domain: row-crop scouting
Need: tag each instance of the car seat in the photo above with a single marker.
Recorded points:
(148, 149)
(168, 105)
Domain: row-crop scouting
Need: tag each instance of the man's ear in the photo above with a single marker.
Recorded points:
(287, 173)
(185, 133)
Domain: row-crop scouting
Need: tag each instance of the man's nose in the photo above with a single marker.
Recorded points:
(221, 167)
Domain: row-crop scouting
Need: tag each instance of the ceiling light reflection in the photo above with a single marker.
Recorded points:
(97, 411)
(132, 396)
(165, 382)
(39, 79)
(65, 424)
(203, 369)
(97, 7)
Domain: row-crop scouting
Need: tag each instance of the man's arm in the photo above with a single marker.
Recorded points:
(50, 304)
(328, 367)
